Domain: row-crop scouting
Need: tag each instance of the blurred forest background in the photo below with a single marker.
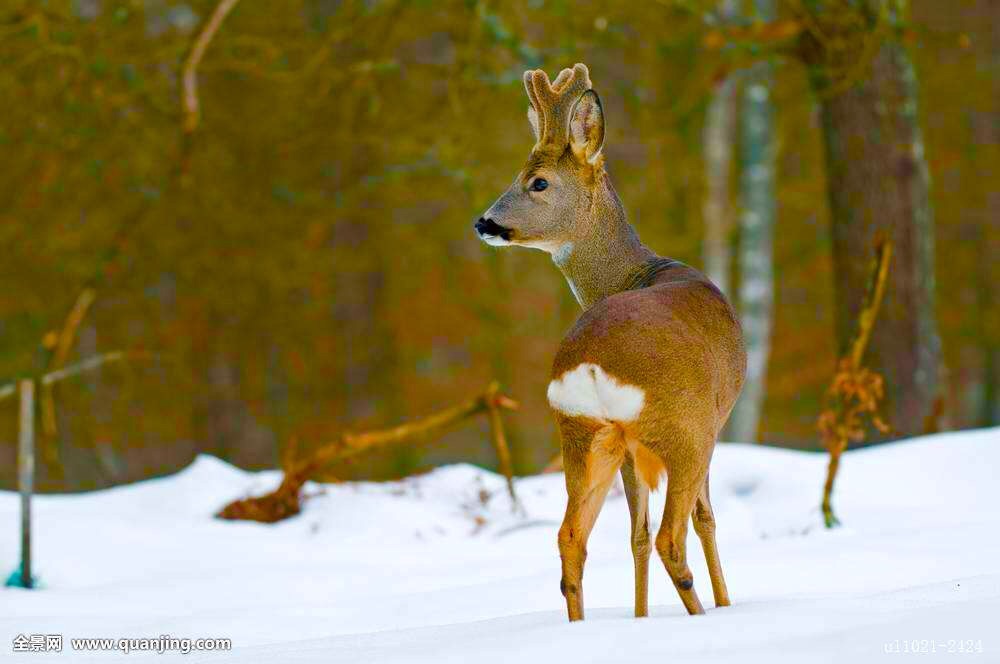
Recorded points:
(302, 260)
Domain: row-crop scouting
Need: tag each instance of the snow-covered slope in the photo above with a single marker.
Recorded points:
(437, 568)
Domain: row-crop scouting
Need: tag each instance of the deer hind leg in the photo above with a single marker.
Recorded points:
(637, 493)
(704, 524)
(671, 540)
(592, 453)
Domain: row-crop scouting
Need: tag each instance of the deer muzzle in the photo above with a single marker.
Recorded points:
(491, 232)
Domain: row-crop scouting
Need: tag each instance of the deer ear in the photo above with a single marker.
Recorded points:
(533, 121)
(586, 127)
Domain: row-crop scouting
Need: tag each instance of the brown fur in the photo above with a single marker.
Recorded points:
(676, 339)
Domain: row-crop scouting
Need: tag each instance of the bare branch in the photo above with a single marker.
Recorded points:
(873, 299)
(61, 345)
(492, 399)
(70, 326)
(89, 364)
(192, 107)
(76, 369)
(285, 501)
(350, 444)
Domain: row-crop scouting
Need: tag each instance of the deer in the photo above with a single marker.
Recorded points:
(644, 381)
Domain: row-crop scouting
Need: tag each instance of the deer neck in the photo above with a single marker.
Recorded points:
(605, 258)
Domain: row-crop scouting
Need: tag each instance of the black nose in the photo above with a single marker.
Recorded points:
(489, 227)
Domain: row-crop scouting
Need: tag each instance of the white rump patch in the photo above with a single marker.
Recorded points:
(588, 390)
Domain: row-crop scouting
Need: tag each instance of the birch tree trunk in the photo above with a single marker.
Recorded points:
(718, 141)
(878, 183)
(755, 298)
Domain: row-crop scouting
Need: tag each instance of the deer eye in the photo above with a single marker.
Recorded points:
(539, 184)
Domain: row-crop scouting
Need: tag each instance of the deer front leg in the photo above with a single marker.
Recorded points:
(590, 459)
(637, 494)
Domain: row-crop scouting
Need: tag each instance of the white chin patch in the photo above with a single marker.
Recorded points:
(587, 390)
(494, 240)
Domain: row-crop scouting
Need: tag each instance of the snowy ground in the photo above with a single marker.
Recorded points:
(436, 569)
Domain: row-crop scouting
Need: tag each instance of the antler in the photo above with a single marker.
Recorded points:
(553, 102)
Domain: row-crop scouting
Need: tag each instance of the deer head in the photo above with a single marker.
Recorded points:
(552, 200)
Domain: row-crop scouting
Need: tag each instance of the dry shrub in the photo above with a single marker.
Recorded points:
(852, 401)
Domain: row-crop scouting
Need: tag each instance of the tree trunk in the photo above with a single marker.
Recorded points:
(718, 141)
(878, 183)
(981, 222)
(755, 298)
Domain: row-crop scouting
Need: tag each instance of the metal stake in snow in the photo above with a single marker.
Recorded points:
(26, 472)
(25, 389)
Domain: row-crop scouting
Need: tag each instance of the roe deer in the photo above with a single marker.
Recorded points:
(645, 379)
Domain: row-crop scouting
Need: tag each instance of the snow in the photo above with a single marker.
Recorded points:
(437, 568)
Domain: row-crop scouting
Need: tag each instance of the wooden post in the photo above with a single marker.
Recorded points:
(26, 472)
